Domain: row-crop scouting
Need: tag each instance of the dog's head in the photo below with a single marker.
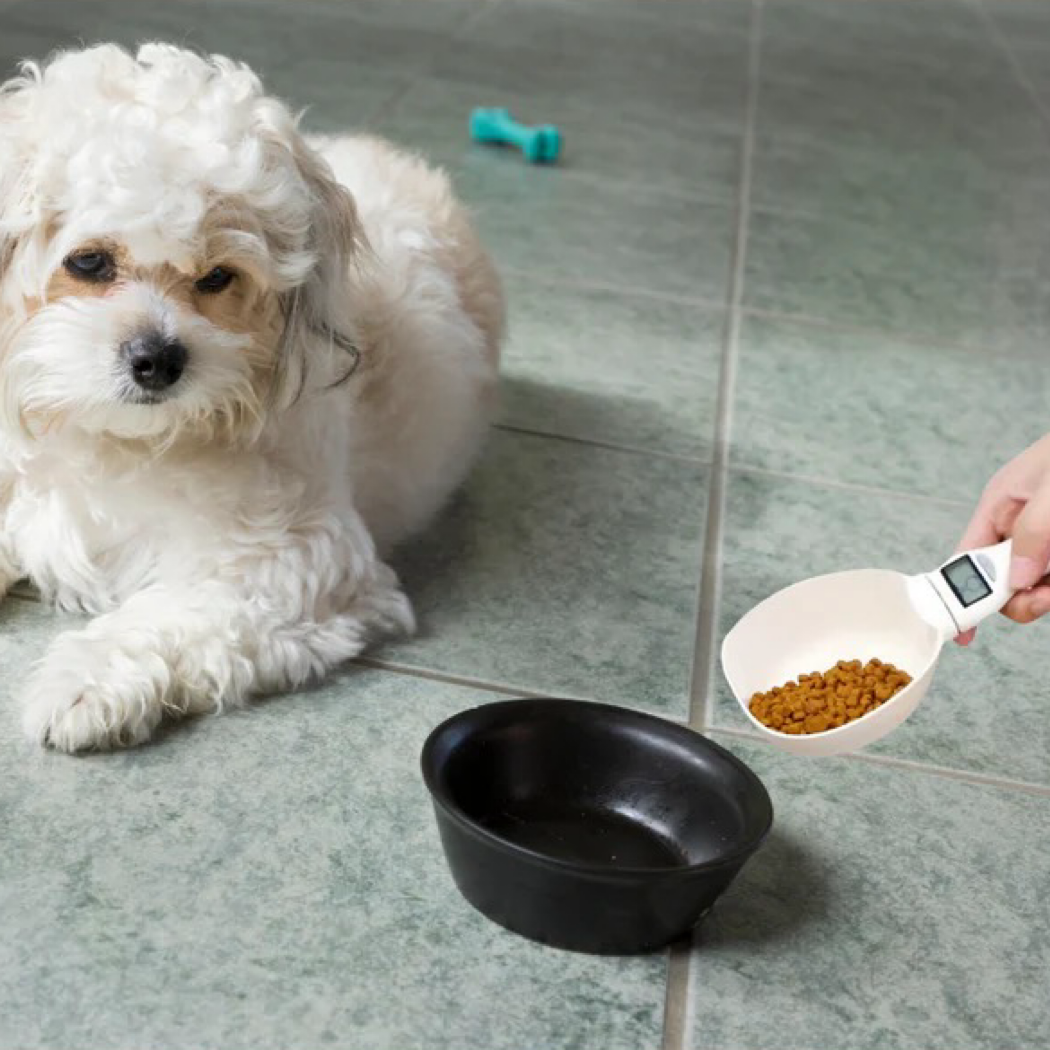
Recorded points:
(170, 248)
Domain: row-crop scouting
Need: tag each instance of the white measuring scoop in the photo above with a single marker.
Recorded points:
(862, 615)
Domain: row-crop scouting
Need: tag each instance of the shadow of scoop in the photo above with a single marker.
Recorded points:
(783, 889)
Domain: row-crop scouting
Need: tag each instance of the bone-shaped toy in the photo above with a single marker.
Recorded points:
(540, 144)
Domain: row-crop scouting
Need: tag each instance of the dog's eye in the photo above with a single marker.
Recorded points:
(215, 280)
(91, 266)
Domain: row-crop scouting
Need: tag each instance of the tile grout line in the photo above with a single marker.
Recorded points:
(583, 284)
(910, 765)
(1019, 73)
(737, 468)
(711, 581)
(677, 1005)
(917, 339)
(678, 999)
(641, 189)
(830, 324)
(609, 446)
(482, 685)
(853, 486)
(376, 663)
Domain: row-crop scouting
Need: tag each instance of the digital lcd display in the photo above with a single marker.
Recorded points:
(964, 579)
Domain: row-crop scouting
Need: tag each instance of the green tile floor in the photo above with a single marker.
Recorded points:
(782, 309)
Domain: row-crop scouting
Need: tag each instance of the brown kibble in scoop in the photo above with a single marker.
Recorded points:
(819, 702)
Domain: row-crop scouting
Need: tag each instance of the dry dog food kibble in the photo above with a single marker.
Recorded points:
(819, 702)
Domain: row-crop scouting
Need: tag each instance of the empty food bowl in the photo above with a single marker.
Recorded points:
(587, 826)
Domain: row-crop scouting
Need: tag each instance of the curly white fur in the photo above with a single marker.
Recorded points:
(227, 537)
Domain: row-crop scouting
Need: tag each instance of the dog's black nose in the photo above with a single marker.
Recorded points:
(156, 362)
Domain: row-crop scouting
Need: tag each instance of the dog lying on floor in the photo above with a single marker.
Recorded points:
(236, 367)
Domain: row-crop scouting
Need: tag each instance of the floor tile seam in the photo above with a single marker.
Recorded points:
(601, 443)
(613, 288)
(705, 198)
(867, 222)
(1017, 69)
(711, 581)
(498, 688)
(931, 769)
(863, 223)
(776, 75)
(733, 467)
(679, 1007)
(1036, 49)
(903, 337)
(822, 481)
(831, 324)
(849, 214)
(816, 480)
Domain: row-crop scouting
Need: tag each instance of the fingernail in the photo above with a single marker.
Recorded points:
(1025, 573)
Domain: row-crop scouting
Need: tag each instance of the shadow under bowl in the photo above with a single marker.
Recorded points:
(590, 827)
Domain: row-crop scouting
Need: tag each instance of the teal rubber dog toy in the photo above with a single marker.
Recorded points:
(540, 145)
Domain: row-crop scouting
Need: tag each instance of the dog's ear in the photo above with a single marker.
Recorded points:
(9, 167)
(318, 328)
(15, 100)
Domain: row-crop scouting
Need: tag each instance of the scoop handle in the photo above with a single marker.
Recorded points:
(974, 585)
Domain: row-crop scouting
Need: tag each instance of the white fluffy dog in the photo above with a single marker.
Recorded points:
(236, 367)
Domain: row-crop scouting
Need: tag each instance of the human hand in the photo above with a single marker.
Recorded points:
(1016, 505)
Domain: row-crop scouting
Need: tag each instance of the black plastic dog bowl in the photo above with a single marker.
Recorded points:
(587, 826)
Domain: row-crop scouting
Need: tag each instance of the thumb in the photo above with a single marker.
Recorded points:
(1031, 536)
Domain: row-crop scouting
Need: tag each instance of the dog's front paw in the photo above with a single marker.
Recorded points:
(84, 697)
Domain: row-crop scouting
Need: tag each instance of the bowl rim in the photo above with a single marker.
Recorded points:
(440, 796)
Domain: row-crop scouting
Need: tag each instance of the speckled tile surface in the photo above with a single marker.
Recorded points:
(1028, 46)
(897, 167)
(383, 34)
(1022, 22)
(342, 60)
(844, 406)
(687, 57)
(980, 287)
(564, 569)
(698, 155)
(908, 73)
(957, 185)
(274, 879)
(600, 232)
(26, 629)
(600, 366)
(890, 911)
